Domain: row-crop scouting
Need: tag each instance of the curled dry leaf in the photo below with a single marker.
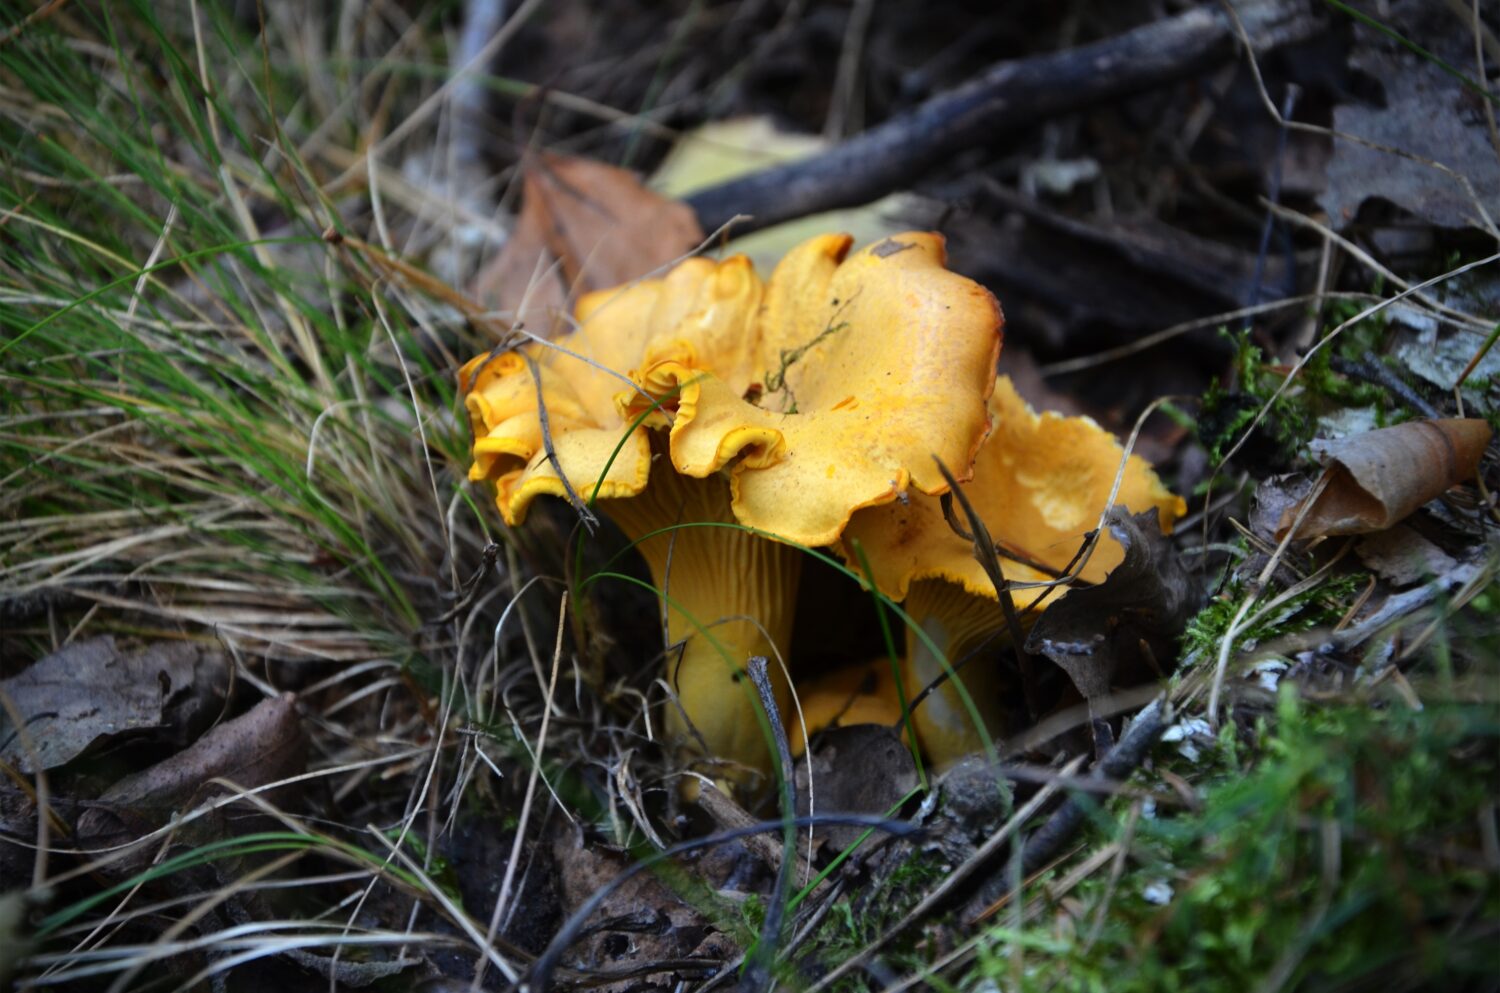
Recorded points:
(1146, 599)
(1375, 479)
(598, 224)
(89, 692)
(260, 747)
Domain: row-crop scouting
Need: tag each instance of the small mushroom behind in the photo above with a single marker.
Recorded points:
(850, 695)
(1040, 483)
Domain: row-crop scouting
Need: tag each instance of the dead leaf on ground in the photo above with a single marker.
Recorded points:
(89, 692)
(263, 746)
(1426, 112)
(857, 769)
(1148, 597)
(1403, 556)
(600, 226)
(1375, 479)
(1274, 496)
(719, 151)
(641, 922)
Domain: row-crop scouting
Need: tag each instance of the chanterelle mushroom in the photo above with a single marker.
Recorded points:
(856, 694)
(785, 406)
(1040, 483)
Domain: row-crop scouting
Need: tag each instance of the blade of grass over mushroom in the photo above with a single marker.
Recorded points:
(702, 628)
(832, 562)
(893, 654)
(916, 633)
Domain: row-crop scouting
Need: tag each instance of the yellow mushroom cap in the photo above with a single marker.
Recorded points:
(1040, 483)
(856, 694)
(857, 368)
(788, 405)
(868, 365)
(705, 307)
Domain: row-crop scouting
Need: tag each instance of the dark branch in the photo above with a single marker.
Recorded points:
(1010, 95)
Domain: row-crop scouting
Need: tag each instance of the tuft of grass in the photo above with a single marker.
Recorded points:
(192, 376)
(218, 424)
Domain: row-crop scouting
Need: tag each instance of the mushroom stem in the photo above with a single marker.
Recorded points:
(728, 594)
(968, 630)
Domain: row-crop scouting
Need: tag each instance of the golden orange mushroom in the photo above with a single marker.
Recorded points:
(1039, 484)
(710, 397)
(849, 695)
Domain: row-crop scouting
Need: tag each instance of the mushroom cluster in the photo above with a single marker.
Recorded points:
(723, 422)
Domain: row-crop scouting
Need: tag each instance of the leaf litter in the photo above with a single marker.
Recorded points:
(583, 226)
(90, 693)
(1374, 480)
(263, 746)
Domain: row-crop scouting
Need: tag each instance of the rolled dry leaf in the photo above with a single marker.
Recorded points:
(1373, 480)
(264, 745)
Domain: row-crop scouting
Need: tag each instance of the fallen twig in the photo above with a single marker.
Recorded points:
(1131, 750)
(1009, 95)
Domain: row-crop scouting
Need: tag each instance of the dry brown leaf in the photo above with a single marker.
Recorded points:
(1421, 109)
(90, 691)
(1375, 479)
(855, 769)
(1403, 556)
(640, 922)
(598, 224)
(1146, 599)
(262, 746)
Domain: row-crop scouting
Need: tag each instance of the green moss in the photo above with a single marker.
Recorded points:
(1349, 857)
(1291, 416)
(1229, 409)
(855, 921)
(1325, 604)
